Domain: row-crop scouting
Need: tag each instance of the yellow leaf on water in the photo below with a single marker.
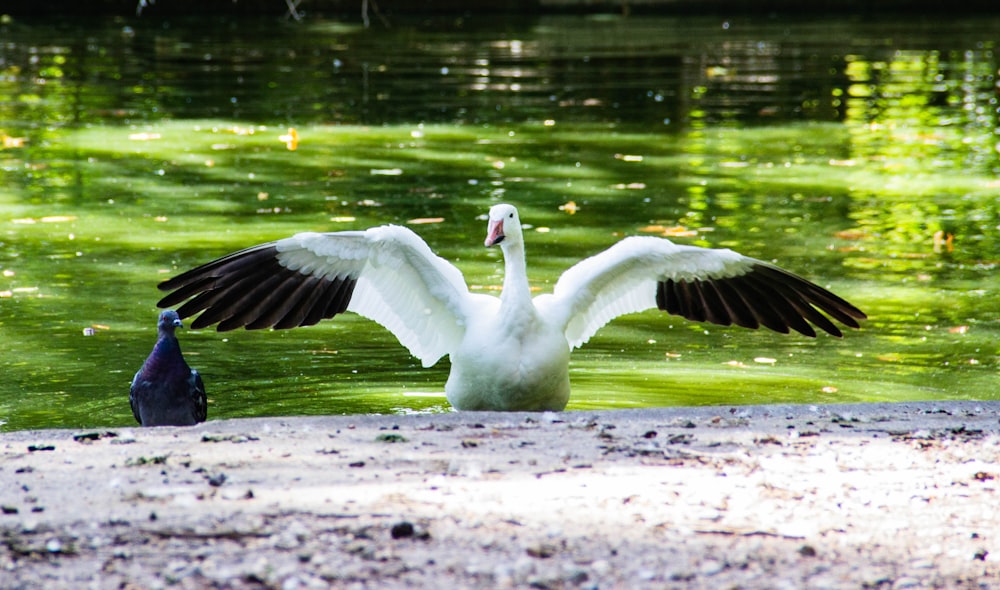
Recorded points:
(425, 220)
(944, 242)
(569, 207)
(12, 142)
(291, 139)
(851, 234)
(679, 231)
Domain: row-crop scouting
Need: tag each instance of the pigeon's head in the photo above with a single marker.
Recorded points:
(169, 320)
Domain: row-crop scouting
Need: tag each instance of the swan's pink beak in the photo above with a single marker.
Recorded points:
(494, 232)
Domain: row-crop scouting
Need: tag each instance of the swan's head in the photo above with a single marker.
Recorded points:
(504, 226)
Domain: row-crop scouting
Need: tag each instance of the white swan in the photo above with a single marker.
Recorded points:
(509, 352)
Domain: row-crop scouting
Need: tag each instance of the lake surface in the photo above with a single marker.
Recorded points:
(861, 154)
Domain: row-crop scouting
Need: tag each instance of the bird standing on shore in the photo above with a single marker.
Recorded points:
(509, 352)
(166, 391)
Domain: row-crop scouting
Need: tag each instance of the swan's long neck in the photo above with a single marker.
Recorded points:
(516, 292)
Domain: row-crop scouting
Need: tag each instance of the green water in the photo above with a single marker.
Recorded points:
(137, 149)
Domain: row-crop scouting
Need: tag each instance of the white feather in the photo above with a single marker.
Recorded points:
(403, 286)
(623, 278)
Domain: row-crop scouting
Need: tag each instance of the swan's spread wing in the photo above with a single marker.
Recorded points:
(705, 285)
(387, 274)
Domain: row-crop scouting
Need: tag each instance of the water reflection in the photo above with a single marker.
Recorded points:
(861, 154)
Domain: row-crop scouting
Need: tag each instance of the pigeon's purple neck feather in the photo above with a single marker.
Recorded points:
(166, 356)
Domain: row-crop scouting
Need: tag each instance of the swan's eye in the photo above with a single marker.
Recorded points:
(511, 216)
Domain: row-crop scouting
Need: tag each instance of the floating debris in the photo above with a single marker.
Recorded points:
(569, 207)
(8, 142)
(46, 219)
(944, 242)
(291, 139)
(144, 136)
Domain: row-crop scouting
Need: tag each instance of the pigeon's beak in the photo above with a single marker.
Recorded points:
(494, 232)
(178, 324)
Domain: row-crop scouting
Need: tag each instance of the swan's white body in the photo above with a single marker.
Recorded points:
(507, 353)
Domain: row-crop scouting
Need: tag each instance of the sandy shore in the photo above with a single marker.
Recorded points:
(858, 496)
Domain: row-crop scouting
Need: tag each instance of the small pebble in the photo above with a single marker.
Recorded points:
(541, 550)
(402, 530)
(711, 567)
(601, 567)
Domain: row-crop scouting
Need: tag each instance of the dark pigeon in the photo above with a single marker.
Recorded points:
(166, 391)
